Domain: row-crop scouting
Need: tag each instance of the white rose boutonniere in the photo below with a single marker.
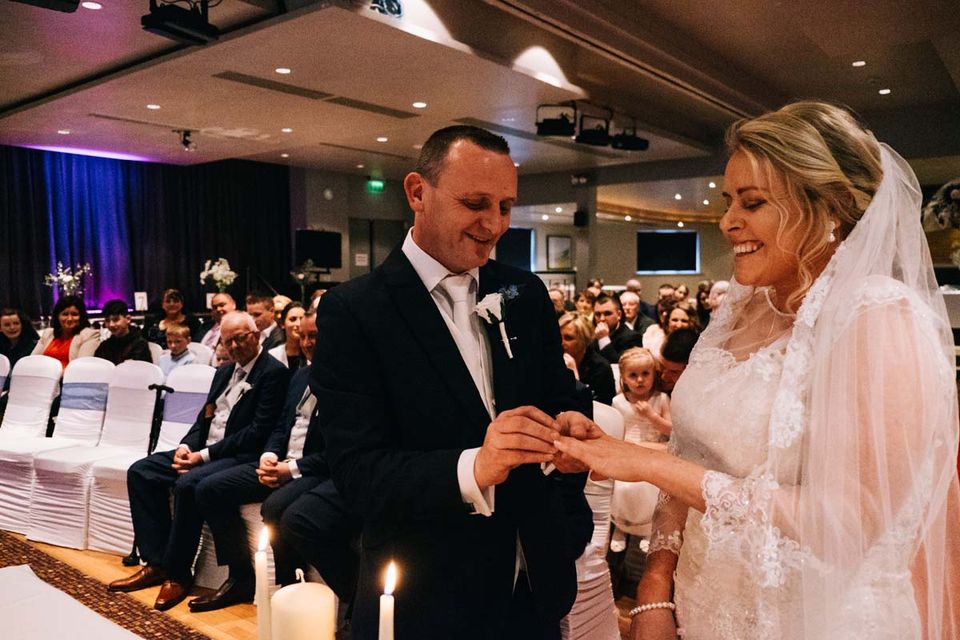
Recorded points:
(493, 310)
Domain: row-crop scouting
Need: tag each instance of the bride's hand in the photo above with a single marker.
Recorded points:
(608, 456)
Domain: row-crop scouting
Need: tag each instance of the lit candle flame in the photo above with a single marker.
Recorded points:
(264, 539)
(390, 582)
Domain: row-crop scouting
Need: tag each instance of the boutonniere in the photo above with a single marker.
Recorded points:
(237, 392)
(493, 309)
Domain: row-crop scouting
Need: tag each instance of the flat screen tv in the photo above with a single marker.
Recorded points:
(668, 251)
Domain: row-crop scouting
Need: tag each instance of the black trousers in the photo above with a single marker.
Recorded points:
(318, 529)
(164, 540)
(522, 620)
(220, 497)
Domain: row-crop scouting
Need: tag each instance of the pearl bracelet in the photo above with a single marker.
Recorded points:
(651, 606)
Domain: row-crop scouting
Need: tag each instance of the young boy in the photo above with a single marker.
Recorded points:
(126, 342)
(176, 354)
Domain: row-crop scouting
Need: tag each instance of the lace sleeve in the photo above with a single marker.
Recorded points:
(669, 518)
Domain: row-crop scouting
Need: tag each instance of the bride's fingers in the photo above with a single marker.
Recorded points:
(572, 447)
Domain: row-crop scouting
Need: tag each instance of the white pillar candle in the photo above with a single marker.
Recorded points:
(304, 611)
(262, 597)
(386, 603)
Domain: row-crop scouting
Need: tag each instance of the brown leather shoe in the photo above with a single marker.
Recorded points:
(171, 594)
(146, 577)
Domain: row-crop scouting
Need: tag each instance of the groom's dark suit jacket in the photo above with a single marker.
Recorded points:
(397, 406)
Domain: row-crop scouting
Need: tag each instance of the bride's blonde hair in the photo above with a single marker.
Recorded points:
(831, 168)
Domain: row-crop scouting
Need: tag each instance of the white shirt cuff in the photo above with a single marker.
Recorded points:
(268, 455)
(205, 454)
(482, 500)
(603, 342)
(294, 469)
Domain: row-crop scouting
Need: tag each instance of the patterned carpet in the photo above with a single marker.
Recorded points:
(118, 607)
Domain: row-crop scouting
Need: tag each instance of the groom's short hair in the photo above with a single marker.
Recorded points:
(434, 151)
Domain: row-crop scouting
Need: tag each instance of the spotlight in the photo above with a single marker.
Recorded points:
(188, 145)
(189, 26)
(594, 131)
(628, 140)
(563, 120)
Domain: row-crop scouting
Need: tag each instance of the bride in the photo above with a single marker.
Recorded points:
(810, 489)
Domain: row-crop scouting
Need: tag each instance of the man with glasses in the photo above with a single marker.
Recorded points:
(243, 405)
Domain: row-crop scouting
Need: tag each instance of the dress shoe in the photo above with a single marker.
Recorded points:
(147, 576)
(232, 591)
(171, 594)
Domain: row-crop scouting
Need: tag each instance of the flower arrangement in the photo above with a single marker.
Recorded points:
(306, 274)
(218, 273)
(68, 281)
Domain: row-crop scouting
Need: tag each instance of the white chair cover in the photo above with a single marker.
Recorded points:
(33, 386)
(82, 402)
(594, 613)
(201, 352)
(109, 525)
(206, 571)
(59, 505)
(155, 351)
(4, 371)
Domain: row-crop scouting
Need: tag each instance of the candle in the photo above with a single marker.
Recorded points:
(262, 597)
(386, 603)
(304, 611)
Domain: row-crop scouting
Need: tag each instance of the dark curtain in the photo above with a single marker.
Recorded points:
(141, 226)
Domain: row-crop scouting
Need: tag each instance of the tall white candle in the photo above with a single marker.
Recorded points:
(386, 603)
(304, 611)
(262, 597)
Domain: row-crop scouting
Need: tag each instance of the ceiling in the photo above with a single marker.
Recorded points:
(682, 70)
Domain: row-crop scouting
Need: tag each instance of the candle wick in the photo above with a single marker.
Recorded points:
(299, 574)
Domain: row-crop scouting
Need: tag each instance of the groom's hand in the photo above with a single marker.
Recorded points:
(519, 436)
(576, 425)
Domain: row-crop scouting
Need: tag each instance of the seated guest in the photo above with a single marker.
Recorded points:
(654, 335)
(315, 297)
(585, 300)
(17, 335)
(221, 355)
(126, 342)
(280, 302)
(261, 309)
(242, 408)
(292, 463)
(173, 313)
(632, 318)
(646, 308)
(702, 305)
(220, 305)
(674, 356)
(69, 335)
(289, 353)
(611, 337)
(592, 369)
(560, 303)
(177, 352)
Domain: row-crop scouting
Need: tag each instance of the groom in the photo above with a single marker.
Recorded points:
(436, 422)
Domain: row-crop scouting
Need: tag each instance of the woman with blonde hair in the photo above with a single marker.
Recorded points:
(809, 490)
(592, 369)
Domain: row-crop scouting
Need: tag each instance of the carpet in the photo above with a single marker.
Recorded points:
(117, 607)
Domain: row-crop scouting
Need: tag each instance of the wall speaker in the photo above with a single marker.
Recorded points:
(323, 247)
(580, 218)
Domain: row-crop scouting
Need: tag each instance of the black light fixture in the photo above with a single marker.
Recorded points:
(628, 140)
(185, 141)
(562, 120)
(189, 26)
(594, 131)
(66, 6)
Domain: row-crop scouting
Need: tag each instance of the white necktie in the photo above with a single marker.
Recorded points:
(457, 290)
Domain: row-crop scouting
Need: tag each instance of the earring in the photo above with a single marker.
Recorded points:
(832, 237)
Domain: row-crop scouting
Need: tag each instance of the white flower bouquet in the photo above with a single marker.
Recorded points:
(68, 281)
(218, 273)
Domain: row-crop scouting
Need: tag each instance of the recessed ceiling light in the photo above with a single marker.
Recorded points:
(680, 224)
(884, 92)
(282, 70)
(419, 105)
(859, 63)
(63, 132)
(706, 202)
(286, 130)
(627, 218)
(383, 139)
(559, 209)
(544, 217)
(712, 185)
(153, 107)
(284, 155)
(677, 196)
(359, 166)
(95, 6)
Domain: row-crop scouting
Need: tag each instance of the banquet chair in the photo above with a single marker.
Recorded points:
(59, 503)
(202, 353)
(83, 398)
(594, 612)
(33, 386)
(155, 352)
(616, 376)
(110, 527)
(4, 371)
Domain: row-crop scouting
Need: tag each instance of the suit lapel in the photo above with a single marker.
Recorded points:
(416, 306)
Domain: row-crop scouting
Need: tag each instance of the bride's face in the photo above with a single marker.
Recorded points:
(763, 255)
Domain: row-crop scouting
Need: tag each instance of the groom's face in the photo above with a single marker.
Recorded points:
(459, 220)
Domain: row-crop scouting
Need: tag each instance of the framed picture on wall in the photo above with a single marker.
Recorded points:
(559, 253)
